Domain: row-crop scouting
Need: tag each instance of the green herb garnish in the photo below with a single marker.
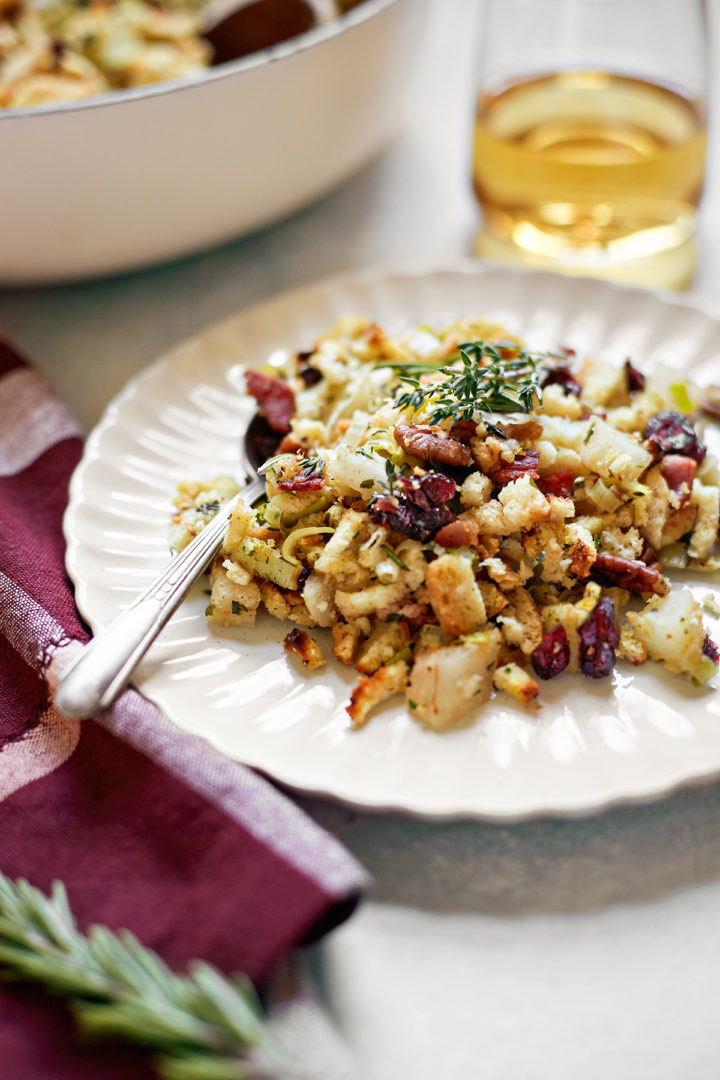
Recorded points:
(200, 1025)
(390, 473)
(488, 382)
(395, 558)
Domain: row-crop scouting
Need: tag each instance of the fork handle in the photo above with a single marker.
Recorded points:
(106, 664)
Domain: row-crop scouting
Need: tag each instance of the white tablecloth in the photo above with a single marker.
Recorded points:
(560, 949)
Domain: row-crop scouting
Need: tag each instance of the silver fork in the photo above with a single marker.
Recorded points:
(106, 664)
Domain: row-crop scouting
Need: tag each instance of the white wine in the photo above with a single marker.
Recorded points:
(590, 169)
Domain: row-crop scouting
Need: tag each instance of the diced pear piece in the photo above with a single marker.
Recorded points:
(448, 682)
(671, 629)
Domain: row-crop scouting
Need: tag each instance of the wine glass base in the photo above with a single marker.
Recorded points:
(673, 268)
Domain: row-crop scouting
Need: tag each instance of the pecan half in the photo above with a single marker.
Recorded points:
(460, 533)
(628, 574)
(523, 430)
(427, 444)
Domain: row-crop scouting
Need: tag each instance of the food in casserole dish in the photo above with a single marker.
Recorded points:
(468, 517)
(66, 50)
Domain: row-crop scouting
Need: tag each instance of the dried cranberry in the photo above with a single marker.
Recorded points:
(552, 655)
(419, 507)
(635, 378)
(711, 650)
(428, 490)
(599, 639)
(561, 375)
(310, 375)
(524, 465)
(561, 483)
(672, 433)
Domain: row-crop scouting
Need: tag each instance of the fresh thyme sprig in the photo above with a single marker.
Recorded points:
(492, 379)
(204, 1025)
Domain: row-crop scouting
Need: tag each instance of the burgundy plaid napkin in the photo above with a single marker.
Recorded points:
(148, 827)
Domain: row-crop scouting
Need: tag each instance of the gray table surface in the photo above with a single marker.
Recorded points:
(543, 949)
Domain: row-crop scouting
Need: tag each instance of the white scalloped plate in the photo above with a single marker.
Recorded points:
(637, 735)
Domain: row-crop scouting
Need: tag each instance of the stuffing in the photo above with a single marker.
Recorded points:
(454, 595)
(63, 51)
(706, 500)
(583, 552)
(490, 518)
(521, 621)
(197, 502)
(652, 511)
(336, 553)
(552, 551)
(475, 490)
(318, 595)
(376, 599)
(499, 572)
(276, 602)
(452, 545)
(493, 599)
(627, 543)
(231, 604)
(384, 642)
(301, 644)
(346, 639)
(523, 505)
(630, 648)
(371, 692)
(516, 682)
(678, 523)
(557, 403)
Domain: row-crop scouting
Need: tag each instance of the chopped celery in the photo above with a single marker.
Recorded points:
(259, 557)
(681, 398)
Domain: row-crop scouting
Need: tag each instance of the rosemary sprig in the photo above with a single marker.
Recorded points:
(491, 379)
(204, 1025)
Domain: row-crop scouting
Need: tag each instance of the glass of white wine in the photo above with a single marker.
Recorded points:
(590, 136)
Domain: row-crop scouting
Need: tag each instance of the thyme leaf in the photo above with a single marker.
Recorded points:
(493, 377)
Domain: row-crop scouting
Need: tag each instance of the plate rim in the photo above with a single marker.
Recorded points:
(367, 276)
